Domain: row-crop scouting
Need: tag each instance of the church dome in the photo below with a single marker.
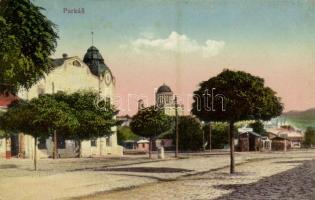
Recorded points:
(95, 61)
(164, 88)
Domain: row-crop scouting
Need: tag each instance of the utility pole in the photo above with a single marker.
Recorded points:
(210, 135)
(176, 126)
(55, 149)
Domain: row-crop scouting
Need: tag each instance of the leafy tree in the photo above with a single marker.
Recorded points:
(219, 135)
(94, 120)
(150, 122)
(190, 134)
(258, 127)
(28, 38)
(309, 138)
(125, 133)
(236, 96)
(37, 117)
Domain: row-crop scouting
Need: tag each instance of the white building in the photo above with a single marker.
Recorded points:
(72, 74)
(164, 99)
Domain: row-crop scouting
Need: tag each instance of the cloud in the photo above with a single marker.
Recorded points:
(178, 43)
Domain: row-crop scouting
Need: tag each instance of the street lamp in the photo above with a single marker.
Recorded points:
(176, 126)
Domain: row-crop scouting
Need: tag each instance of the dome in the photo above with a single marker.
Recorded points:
(164, 88)
(95, 61)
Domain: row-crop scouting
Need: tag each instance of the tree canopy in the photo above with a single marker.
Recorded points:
(28, 38)
(93, 121)
(190, 134)
(242, 95)
(150, 122)
(309, 139)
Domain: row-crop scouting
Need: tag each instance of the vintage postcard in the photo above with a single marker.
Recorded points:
(157, 99)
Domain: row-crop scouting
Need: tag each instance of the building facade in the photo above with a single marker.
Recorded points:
(72, 74)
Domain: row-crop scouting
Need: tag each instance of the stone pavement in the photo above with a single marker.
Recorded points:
(297, 183)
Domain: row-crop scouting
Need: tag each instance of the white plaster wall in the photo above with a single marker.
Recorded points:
(70, 78)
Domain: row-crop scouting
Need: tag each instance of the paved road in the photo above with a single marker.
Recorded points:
(297, 183)
(279, 178)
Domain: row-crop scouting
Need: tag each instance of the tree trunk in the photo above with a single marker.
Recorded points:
(150, 148)
(55, 150)
(231, 138)
(78, 150)
(35, 153)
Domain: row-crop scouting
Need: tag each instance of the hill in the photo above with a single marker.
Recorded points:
(300, 119)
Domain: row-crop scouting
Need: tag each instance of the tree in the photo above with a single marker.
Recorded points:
(150, 122)
(125, 133)
(28, 38)
(258, 127)
(233, 96)
(190, 134)
(93, 120)
(219, 135)
(309, 138)
(37, 117)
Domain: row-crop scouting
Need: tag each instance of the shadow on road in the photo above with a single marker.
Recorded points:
(145, 169)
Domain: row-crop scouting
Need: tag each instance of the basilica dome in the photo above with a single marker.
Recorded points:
(163, 89)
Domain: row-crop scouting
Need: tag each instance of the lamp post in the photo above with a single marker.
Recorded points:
(176, 127)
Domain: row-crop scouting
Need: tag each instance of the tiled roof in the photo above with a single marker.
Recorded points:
(6, 100)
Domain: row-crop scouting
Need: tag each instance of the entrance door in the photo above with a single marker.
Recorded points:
(14, 145)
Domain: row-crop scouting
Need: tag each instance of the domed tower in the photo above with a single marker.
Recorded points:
(164, 96)
(95, 61)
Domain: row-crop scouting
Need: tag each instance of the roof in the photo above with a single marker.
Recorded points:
(59, 61)
(6, 100)
(253, 133)
(142, 141)
(288, 133)
(164, 88)
(95, 61)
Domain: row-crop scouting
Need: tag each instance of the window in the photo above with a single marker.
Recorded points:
(143, 145)
(108, 142)
(93, 143)
(42, 143)
(76, 63)
(61, 143)
(41, 91)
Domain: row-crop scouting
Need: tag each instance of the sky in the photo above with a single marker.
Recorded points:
(180, 43)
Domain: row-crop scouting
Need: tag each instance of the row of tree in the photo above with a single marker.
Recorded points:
(241, 96)
(72, 116)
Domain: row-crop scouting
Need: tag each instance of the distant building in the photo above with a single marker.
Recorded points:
(164, 99)
(294, 136)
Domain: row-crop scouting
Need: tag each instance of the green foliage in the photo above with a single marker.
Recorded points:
(28, 38)
(38, 117)
(93, 121)
(125, 133)
(73, 116)
(190, 134)
(258, 127)
(245, 98)
(150, 122)
(219, 135)
(309, 139)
